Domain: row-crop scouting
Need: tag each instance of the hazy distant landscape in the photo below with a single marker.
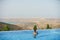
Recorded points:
(28, 24)
(24, 14)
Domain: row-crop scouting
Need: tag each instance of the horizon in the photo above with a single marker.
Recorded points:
(30, 18)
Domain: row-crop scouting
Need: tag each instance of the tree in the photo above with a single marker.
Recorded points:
(48, 27)
(6, 28)
(35, 28)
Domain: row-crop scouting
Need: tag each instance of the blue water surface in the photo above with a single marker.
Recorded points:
(51, 34)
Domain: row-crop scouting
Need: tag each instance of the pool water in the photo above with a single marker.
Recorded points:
(53, 34)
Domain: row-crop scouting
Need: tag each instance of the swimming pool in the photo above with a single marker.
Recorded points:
(53, 34)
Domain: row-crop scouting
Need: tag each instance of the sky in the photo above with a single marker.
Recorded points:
(29, 8)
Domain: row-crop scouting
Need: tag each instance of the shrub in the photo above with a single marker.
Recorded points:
(6, 28)
(0, 29)
(48, 27)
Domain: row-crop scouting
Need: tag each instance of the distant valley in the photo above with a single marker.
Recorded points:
(28, 24)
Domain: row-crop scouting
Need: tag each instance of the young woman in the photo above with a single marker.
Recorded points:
(35, 31)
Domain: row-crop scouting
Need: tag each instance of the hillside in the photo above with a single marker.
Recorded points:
(11, 26)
